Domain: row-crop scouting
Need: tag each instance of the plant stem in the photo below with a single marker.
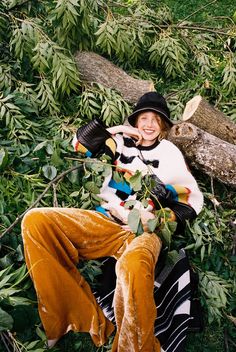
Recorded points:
(198, 28)
(193, 13)
(5, 339)
(55, 180)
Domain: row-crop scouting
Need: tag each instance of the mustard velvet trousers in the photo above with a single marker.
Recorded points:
(55, 239)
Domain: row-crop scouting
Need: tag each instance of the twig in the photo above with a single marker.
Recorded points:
(5, 339)
(14, 342)
(55, 201)
(197, 28)
(226, 343)
(193, 13)
(225, 18)
(55, 180)
(214, 201)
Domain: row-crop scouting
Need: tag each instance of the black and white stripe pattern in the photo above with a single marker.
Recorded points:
(172, 293)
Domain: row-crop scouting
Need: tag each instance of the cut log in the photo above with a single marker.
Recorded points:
(96, 69)
(207, 153)
(200, 113)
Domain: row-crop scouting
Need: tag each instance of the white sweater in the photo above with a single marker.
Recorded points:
(162, 159)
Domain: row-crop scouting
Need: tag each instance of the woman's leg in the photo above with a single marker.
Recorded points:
(134, 305)
(54, 241)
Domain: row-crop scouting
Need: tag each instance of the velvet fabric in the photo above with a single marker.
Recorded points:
(55, 239)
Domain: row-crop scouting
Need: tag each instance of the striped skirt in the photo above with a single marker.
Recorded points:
(172, 293)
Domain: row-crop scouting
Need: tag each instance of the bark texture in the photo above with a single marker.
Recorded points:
(200, 113)
(215, 157)
(96, 69)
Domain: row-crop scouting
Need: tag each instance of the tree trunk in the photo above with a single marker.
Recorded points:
(200, 113)
(206, 152)
(96, 69)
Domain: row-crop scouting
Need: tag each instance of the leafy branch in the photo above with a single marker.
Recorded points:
(51, 183)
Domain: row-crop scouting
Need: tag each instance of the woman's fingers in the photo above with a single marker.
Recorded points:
(126, 228)
(129, 130)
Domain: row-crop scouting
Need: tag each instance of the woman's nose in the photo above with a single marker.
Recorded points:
(149, 123)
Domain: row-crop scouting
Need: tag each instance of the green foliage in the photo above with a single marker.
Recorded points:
(6, 320)
(229, 74)
(168, 53)
(215, 290)
(74, 22)
(104, 103)
(41, 104)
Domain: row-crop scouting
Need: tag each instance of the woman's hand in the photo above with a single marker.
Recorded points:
(145, 216)
(114, 212)
(129, 130)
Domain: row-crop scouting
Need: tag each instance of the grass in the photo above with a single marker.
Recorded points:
(182, 9)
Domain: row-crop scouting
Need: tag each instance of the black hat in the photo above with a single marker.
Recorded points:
(151, 101)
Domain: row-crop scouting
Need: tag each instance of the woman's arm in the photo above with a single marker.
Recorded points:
(183, 195)
(128, 130)
(90, 138)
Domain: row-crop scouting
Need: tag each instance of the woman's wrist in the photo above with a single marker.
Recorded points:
(115, 129)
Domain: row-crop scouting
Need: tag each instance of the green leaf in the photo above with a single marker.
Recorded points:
(152, 224)
(86, 205)
(134, 220)
(40, 146)
(3, 158)
(130, 203)
(75, 194)
(6, 321)
(173, 256)
(136, 181)
(165, 234)
(118, 177)
(56, 159)
(92, 187)
(49, 171)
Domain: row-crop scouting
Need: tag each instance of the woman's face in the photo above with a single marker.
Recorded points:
(149, 127)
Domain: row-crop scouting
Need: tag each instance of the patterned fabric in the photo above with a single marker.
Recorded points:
(172, 293)
(162, 159)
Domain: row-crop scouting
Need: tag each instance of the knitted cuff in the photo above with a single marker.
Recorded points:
(93, 135)
(183, 212)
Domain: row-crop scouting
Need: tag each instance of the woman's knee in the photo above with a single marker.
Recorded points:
(140, 256)
(34, 218)
(135, 262)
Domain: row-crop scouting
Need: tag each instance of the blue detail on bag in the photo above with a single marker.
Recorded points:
(120, 186)
(173, 191)
(88, 153)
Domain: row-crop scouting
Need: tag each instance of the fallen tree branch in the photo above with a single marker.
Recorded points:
(95, 68)
(51, 183)
(205, 116)
(205, 152)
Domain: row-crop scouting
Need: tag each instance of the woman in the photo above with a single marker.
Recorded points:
(56, 239)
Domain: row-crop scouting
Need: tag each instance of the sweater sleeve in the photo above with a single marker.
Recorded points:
(91, 138)
(184, 197)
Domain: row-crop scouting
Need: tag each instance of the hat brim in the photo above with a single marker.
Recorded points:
(132, 117)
